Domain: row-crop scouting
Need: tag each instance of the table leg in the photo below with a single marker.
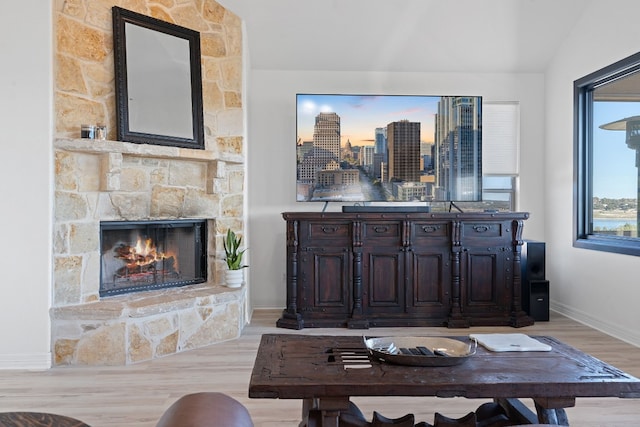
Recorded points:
(323, 411)
(548, 410)
(553, 415)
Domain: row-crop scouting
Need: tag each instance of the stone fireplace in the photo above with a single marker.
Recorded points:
(126, 186)
(108, 182)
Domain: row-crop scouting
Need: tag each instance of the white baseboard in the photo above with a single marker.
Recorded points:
(29, 361)
(627, 335)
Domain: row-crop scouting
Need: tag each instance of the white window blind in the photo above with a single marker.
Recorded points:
(500, 138)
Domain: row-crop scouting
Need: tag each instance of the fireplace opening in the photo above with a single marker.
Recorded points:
(145, 255)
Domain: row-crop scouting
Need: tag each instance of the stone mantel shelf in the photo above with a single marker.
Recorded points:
(94, 146)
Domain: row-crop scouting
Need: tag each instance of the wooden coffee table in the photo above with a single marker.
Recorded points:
(38, 419)
(325, 371)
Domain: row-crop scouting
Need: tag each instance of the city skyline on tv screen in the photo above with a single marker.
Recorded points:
(388, 148)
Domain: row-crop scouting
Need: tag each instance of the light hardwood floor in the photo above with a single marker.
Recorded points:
(137, 395)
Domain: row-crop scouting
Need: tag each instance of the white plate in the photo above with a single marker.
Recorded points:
(420, 351)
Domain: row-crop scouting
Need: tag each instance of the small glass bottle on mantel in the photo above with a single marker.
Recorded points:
(88, 131)
(101, 131)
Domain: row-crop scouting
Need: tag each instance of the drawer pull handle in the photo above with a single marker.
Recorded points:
(380, 229)
(481, 228)
(329, 229)
(430, 228)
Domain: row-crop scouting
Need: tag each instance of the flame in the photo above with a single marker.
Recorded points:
(143, 253)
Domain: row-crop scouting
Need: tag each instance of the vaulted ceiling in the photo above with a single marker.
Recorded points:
(406, 35)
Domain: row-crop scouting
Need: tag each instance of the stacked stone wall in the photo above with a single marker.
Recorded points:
(111, 180)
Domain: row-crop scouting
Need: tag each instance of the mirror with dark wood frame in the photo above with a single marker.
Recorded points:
(158, 81)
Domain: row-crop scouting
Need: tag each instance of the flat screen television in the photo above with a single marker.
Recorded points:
(388, 148)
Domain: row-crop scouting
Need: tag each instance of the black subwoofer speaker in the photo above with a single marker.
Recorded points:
(539, 299)
(535, 287)
(533, 260)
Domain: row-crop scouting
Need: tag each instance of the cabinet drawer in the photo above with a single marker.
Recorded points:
(430, 229)
(483, 230)
(337, 232)
(382, 230)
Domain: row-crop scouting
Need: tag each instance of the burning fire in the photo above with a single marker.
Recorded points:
(143, 256)
(148, 252)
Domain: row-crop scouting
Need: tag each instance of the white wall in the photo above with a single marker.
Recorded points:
(272, 137)
(25, 184)
(597, 288)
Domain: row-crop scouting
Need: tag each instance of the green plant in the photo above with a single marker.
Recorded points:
(232, 251)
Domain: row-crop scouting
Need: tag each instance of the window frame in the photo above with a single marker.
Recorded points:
(511, 191)
(583, 160)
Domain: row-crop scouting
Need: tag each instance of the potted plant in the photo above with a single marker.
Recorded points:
(233, 257)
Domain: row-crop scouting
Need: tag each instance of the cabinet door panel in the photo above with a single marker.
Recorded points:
(429, 278)
(429, 291)
(481, 277)
(483, 282)
(383, 274)
(325, 281)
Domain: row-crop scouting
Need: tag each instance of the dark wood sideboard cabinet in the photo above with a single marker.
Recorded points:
(361, 270)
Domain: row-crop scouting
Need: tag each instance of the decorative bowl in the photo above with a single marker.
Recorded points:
(420, 351)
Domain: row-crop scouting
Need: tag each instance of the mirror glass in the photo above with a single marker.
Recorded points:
(158, 81)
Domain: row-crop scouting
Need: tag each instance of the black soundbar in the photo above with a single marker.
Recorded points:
(386, 209)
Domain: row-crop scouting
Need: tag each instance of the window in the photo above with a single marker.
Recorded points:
(500, 154)
(500, 157)
(607, 157)
(499, 191)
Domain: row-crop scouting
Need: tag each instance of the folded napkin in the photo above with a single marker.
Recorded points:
(509, 342)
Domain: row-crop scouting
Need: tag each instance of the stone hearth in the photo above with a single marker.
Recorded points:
(142, 326)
